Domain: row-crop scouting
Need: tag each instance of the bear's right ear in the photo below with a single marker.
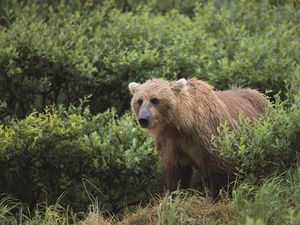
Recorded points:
(133, 86)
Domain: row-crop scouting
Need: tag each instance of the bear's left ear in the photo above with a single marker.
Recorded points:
(133, 86)
(179, 84)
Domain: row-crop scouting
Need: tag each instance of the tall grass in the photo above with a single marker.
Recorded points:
(275, 202)
(7, 206)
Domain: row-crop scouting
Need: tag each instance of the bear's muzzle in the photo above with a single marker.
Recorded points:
(145, 118)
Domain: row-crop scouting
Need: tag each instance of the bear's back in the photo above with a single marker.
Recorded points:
(243, 100)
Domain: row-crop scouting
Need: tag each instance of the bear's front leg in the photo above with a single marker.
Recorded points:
(177, 176)
(217, 181)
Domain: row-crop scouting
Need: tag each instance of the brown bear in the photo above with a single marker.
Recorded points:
(182, 116)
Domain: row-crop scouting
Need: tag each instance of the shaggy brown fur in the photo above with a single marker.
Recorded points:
(182, 116)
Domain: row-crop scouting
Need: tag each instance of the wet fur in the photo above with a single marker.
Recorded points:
(186, 118)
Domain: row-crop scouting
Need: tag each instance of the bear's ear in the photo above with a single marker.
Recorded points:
(179, 84)
(133, 86)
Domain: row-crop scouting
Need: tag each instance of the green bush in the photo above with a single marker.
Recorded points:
(58, 54)
(268, 146)
(80, 156)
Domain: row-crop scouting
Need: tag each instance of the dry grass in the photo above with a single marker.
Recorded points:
(182, 209)
(95, 219)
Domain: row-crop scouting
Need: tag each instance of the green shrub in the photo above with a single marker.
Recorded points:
(60, 54)
(79, 156)
(268, 146)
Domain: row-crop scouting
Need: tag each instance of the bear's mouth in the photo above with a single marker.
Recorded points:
(153, 130)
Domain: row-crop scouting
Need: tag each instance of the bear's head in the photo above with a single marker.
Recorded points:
(154, 102)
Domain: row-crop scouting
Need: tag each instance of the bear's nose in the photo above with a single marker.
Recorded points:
(144, 122)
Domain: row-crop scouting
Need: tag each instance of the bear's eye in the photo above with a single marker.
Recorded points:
(140, 102)
(154, 101)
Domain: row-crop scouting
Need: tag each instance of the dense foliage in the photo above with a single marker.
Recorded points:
(55, 148)
(59, 53)
(83, 157)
